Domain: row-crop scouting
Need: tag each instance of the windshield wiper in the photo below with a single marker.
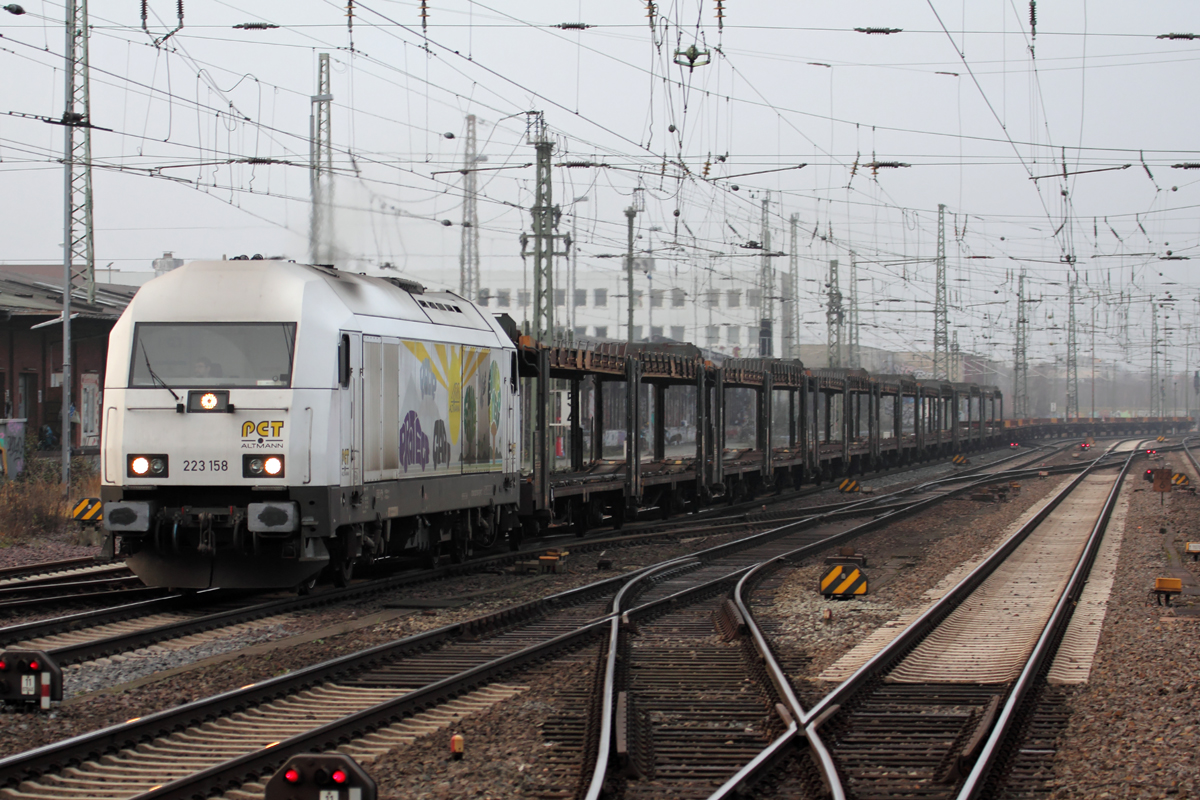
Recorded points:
(154, 374)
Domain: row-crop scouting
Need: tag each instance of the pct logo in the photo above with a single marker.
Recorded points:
(265, 435)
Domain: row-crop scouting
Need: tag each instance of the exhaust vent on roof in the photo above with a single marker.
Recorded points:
(409, 286)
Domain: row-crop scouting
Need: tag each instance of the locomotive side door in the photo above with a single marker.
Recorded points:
(350, 399)
(512, 420)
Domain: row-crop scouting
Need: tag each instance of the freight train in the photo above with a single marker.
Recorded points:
(267, 422)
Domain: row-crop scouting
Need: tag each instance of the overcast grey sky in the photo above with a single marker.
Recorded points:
(965, 94)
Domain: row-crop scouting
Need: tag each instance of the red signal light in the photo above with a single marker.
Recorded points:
(340, 776)
(3, 666)
(34, 665)
(292, 776)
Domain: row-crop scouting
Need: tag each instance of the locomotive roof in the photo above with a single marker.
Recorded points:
(275, 290)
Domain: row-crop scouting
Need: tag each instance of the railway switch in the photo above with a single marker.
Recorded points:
(330, 776)
(29, 677)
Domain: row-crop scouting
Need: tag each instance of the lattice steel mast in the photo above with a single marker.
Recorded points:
(791, 294)
(468, 256)
(854, 353)
(1020, 354)
(766, 303)
(1155, 378)
(941, 323)
(1072, 354)
(543, 213)
(79, 255)
(834, 318)
(320, 232)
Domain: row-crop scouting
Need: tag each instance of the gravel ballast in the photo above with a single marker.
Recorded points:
(1135, 726)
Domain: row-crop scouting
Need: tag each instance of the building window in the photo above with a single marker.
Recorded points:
(637, 301)
(678, 298)
(560, 297)
(637, 333)
(753, 334)
(733, 334)
(712, 298)
(677, 333)
(580, 332)
(580, 297)
(601, 330)
(27, 395)
(656, 332)
(753, 298)
(504, 298)
(656, 297)
(734, 298)
(710, 335)
(485, 295)
(523, 298)
(600, 298)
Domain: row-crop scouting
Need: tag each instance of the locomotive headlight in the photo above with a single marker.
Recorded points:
(262, 466)
(148, 466)
(208, 401)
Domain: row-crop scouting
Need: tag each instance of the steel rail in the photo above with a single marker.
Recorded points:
(759, 766)
(936, 613)
(91, 745)
(1046, 645)
(46, 567)
(112, 594)
(100, 571)
(23, 766)
(607, 709)
(778, 677)
(84, 651)
(766, 760)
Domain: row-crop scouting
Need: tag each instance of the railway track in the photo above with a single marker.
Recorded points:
(68, 566)
(368, 693)
(956, 705)
(186, 619)
(683, 708)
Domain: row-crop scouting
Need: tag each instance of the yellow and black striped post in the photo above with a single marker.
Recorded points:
(1179, 479)
(1161, 439)
(89, 511)
(959, 460)
(848, 485)
(843, 580)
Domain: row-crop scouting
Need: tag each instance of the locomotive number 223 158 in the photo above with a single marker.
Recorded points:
(205, 466)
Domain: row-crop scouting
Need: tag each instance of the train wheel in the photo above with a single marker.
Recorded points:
(343, 571)
(306, 586)
(460, 549)
(595, 513)
(618, 515)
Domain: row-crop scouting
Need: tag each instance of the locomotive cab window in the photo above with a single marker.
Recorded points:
(212, 354)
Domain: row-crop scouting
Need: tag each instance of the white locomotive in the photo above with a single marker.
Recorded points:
(266, 420)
